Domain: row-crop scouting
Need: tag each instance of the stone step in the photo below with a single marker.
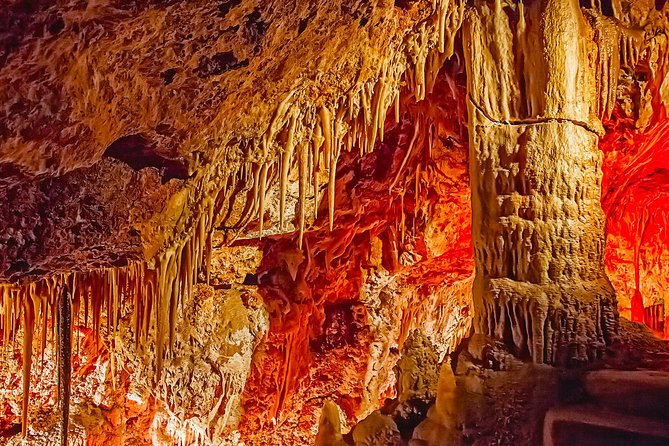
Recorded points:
(642, 393)
(591, 425)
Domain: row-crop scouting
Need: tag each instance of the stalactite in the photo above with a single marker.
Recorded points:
(36, 307)
(28, 327)
(632, 43)
(262, 191)
(286, 161)
(607, 36)
(314, 136)
(358, 118)
(64, 362)
(450, 16)
(407, 155)
(283, 384)
(11, 303)
(303, 161)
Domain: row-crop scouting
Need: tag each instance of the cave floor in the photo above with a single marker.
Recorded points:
(621, 399)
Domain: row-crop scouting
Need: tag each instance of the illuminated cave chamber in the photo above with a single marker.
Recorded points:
(344, 223)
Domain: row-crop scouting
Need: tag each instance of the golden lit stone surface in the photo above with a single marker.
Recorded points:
(407, 223)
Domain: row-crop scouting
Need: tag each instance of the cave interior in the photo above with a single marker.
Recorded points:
(351, 223)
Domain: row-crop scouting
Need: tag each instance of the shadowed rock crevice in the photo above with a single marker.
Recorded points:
(139, 153)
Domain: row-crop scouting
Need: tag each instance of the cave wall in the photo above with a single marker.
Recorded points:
(150, 88)
(264, 230)
(397, 260)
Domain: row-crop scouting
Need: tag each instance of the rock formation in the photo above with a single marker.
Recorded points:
(538, 226)
(340, 223)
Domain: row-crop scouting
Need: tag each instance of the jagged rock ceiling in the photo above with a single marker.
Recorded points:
(197, 92)
(255, 204)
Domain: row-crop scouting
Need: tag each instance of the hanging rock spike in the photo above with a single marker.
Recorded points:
(64, 362)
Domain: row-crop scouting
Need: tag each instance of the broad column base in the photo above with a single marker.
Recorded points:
(558, 324)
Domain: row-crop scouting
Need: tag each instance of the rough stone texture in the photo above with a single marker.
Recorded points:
(632, 79)
(154, 85)
(418, 381)
(487, 396)
(511, 81)
(417, 368)
(538, 227)
(198, 400)
(339, 309)
(440, 425)
(204, 382)
(635, 201)
(329, 426)
(352, 296)
(93, 210)
(129, 130)
(643, 393)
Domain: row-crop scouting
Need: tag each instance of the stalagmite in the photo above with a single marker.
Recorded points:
(637, 306)
(441, 425)
(329, 426)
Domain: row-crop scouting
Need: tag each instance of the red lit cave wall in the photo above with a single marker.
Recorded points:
(398, 259)
(635, 197)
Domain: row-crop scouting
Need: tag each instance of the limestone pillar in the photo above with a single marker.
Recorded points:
(535, 167)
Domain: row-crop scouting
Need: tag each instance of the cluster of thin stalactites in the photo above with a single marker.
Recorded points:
(312, 138)
(98, 299)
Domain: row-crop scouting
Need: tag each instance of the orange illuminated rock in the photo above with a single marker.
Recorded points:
(263, 213)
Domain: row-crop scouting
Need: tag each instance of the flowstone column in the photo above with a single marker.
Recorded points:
(538, 226)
